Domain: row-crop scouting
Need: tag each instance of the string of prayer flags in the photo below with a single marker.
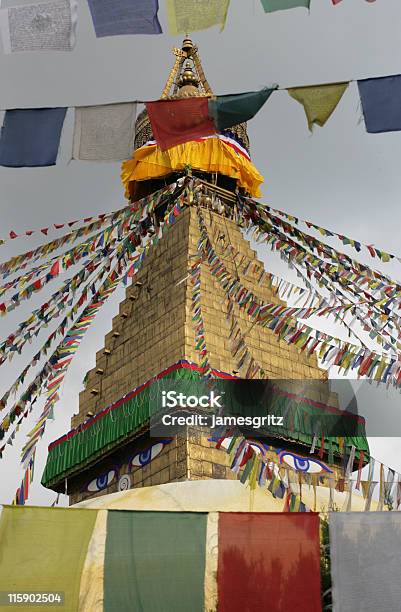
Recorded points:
(177, 121)
(356, 272)
(346, 241)
(43, 26)
(20, 262)
(31, 137)
(270, 6)
(117, 17)
(380, 99)
(319, 101)
(104, 133)
(63, 226)
(192, 15)
(130, 254)
(197, 320)
(54, 306)
(331, 350)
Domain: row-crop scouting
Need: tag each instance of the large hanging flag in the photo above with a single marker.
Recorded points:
(145, 549)
(116, 17)
(48, 547)
(104, 133)
(45, 26)
(281, 5)
(381, 103)
(252, 548)
(31, 137)
(319, 101)
(192, 15)
(365, 567)
(177, 121)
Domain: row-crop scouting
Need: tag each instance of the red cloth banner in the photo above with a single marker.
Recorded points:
(269, 561)
(177, 121)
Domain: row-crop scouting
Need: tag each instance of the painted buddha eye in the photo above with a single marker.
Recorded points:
(148, 454)
(102, 482)
(302, 464)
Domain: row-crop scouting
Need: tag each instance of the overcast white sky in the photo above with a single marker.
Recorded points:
(340, 177)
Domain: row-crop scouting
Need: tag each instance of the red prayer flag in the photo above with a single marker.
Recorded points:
(177, 121)
(13, 235)
(54, 270)
(44, 230)
(269, 561)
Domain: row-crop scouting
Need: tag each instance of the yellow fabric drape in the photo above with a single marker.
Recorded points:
(210, 155)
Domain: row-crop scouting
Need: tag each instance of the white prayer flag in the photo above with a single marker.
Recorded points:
(365, 561)
(104, 133)
(45, 26)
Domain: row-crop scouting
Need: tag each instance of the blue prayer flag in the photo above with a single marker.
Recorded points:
(381, 103)
(115, 17)
(31, 137)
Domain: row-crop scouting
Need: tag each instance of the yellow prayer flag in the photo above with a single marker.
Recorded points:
(319, 101)
(186, 16)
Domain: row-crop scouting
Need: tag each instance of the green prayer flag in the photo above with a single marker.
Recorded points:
(281, 5)
(230, 110)
(155, 561)
(319, 101)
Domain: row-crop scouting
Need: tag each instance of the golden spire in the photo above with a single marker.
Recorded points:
(186, 77)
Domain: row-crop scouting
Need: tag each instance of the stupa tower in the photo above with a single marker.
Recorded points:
(109, 447)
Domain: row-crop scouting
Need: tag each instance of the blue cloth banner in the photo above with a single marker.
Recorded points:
(381, 103)
(31, 137)
(115, 17)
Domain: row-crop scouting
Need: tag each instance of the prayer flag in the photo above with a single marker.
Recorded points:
(31, 137)
(251, 549)
(281, 5)
(177, 121)
(381, 103)
(104, 133)
(48, 546)
(145, 549)
(45, 26)
(192, 15)
(231, 110)
(116, 17)
(319, 101)
(365, 568)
